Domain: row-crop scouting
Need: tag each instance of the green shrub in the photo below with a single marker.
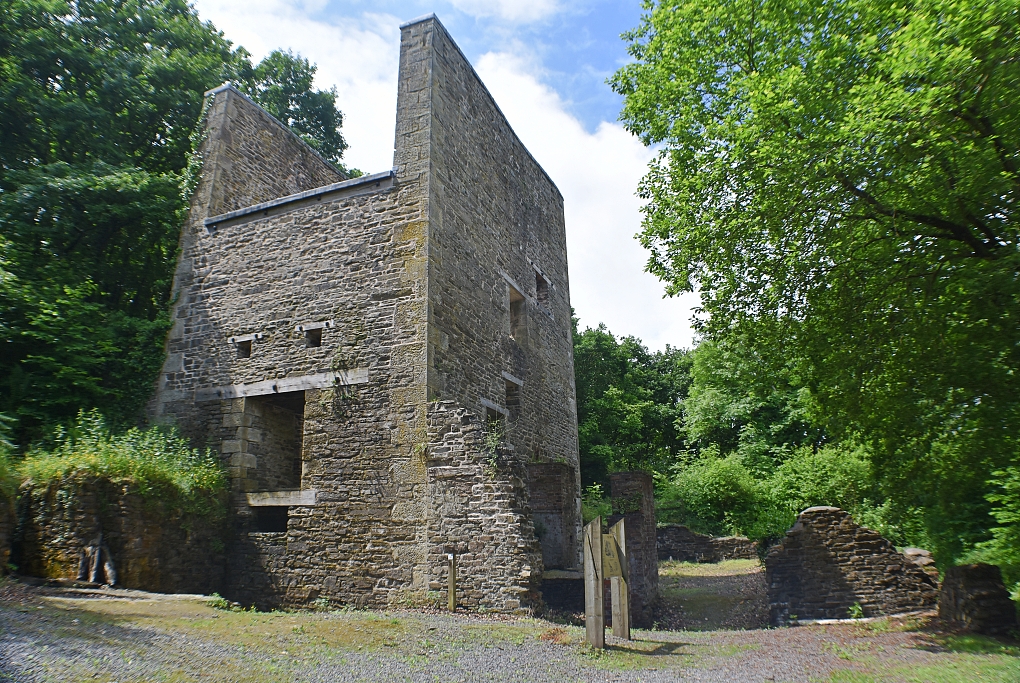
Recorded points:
(159, 463)
(594, 503)
(832, 475)
(8, 472)
(715, 495)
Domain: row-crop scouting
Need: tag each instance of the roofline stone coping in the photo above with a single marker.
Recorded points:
(423, 18)
(307, 194)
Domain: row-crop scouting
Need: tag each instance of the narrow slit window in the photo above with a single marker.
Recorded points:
(513, 399)
(541, 290)
(313, 338)
(516, 313)
(244, 348)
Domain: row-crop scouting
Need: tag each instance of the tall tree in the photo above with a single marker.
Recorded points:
(99, 100)
(839, 181)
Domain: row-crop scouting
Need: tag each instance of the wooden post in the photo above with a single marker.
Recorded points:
(618, 585)
(451, 582)
(594, 615)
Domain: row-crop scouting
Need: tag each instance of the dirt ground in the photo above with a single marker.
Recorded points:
(709, 597)
(127, 636)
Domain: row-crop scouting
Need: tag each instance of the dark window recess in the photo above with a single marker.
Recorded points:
(280, 420)
(271, 519)
(244, 349)
(493, 418)
(313, 338)
(541, 290)
(516, 313)
(513, 399)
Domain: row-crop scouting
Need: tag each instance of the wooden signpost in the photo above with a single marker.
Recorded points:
(605, 557)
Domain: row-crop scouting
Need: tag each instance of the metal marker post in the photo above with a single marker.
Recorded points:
(451, 582)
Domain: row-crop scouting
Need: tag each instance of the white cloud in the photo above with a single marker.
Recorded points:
(511, 10)
(596, 172)
(358, 55)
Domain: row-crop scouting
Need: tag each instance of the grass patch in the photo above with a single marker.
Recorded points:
(158, 461)
(977, 644)
(960, 669)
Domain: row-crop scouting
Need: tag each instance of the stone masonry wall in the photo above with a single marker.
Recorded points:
(352, 258)
(973, 598)
(677, 542)
(827, 563)
(476, 496)
(551, 487)
(256, 158)
(495, 225)
(154, 546)
(388, 267)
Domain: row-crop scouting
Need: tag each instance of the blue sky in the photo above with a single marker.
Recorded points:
(546, 63)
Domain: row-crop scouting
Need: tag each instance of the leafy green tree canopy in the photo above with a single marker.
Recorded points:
(99, 103)
(628, 404)
(838, 180)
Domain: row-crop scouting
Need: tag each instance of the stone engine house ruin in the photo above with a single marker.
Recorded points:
(384, 363)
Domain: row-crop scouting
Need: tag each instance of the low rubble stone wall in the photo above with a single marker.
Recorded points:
(154, 546)
(827, 563)
(677, 542)
(974, 598)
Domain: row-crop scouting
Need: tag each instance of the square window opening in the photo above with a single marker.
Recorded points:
(271, 519)
(313, 338)
(516, 313)
(541, 289)
(244, 349)
(279, 421)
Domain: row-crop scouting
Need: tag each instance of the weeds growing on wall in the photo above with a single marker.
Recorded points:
(157, 461)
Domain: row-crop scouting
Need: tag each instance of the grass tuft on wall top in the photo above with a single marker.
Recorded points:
(157, 461)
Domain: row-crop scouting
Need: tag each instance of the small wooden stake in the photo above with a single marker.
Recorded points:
(618, 586)
(451, 582)
(594, 614)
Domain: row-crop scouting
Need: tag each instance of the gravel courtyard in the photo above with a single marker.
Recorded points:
(126, 636)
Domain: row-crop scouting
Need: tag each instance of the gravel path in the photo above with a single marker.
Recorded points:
(52, 635)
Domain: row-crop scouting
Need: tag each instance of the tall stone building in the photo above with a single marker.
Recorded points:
(385, 362)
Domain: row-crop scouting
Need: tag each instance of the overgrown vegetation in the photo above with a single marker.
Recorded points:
(99, 103)
(157, 462)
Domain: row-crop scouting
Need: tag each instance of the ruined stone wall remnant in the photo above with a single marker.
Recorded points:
(154, 546)
(633, 499)
(974, 598)
(677, 542)
(827, 563)
(436, 403)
